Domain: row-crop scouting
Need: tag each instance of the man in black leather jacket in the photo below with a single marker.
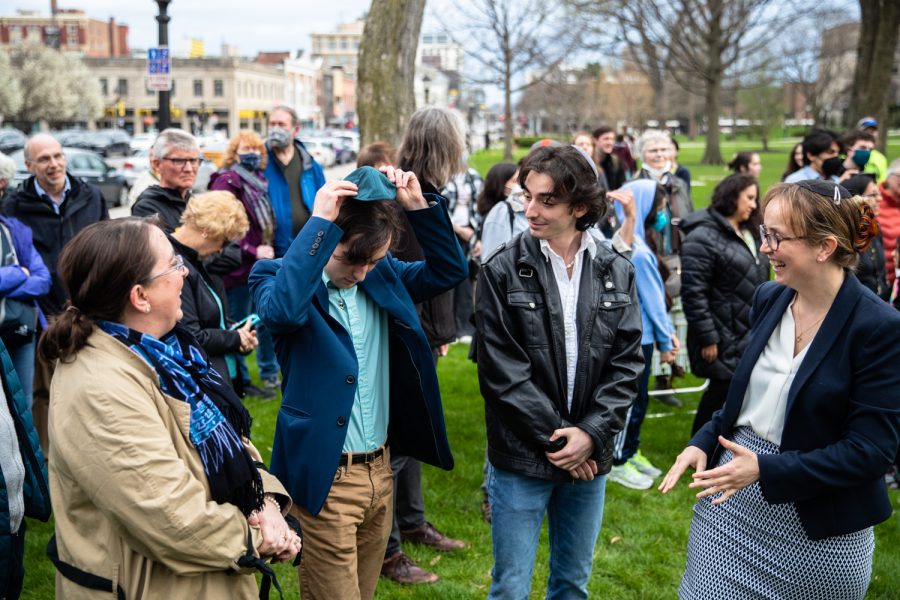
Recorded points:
(559, 334)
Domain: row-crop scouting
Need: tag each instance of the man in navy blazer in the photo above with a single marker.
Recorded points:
(358, 373)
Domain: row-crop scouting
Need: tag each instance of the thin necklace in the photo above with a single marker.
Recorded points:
(805, 331)
(571, 264)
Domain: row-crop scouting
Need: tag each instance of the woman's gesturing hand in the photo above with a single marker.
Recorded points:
(742, 470)
(693, 457)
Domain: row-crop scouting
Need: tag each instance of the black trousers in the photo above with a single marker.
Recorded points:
(713, 399)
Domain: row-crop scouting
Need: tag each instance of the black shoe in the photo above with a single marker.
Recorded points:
(252, 390)
(668, 399)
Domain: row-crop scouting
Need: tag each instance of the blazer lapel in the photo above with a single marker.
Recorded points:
(831, 328)
(758, 340)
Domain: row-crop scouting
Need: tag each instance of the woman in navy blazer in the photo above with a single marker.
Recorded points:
(811, 420)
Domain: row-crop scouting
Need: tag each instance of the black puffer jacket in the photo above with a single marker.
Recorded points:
(718, 277)
(871, 271)
(201, 312)
(84, 205)
(522, 355)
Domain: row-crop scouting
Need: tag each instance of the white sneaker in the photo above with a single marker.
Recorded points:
(630, 477)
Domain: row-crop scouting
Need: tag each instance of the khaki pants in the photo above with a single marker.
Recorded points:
(343, 546)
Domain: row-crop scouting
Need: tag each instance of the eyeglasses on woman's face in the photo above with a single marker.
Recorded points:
(177, 265)
(773, 239)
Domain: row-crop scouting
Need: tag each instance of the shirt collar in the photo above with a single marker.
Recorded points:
(331, 287)
(587, 242)
(41, 192)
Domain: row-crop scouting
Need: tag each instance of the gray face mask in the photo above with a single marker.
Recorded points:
(279, 138)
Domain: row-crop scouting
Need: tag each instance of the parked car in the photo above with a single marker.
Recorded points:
(343, 151)
(88, 166)
(109, 142)
(11, 140)
(321, 150)
(142, 141)
(72, 138)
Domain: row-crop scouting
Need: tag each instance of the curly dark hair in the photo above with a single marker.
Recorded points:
(741, 161)
(574, 181)
(725, 198)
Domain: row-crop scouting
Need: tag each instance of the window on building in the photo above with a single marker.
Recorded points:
(218, 88)
(356, 45)
(104, 86)
(34, 32)
(332, 45)
(15, 34)
(72, 34)
(198, 88)
(442, 39)
(343, 44)
(427, 39)
(122, 87)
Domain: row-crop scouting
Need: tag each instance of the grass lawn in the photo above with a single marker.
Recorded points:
(641, 550)
(704, 178)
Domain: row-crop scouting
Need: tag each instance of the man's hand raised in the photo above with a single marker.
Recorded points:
(331, 196)
(409, 191)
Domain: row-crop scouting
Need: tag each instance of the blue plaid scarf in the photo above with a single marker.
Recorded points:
(218, 419)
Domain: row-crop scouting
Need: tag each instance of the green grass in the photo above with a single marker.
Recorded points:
(641, 551)
(704, 178)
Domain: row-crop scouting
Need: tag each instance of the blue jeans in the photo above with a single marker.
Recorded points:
(575, 512)
(23, 361)
(627, 441)
(239, 306)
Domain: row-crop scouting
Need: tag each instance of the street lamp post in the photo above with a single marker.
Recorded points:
(164, 118)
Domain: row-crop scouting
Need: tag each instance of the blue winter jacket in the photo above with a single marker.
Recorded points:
(317, 358)
(651, 290)
(14, 283)
(280, 194)
(35, 491)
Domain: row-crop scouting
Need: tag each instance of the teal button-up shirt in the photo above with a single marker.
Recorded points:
(367, 326)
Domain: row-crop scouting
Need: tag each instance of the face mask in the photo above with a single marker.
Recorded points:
(833, 166)
(861, 157)
(662, 219)
(279, 138)
(250, 160)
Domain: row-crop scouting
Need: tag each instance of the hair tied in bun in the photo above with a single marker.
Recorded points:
(867, 229)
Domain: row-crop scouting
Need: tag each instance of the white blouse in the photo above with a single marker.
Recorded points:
(767, 392)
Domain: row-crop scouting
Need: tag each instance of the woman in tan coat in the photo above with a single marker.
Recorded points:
(156, 488)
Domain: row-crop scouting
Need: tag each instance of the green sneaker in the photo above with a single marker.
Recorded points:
(630, 477)
(643, 465)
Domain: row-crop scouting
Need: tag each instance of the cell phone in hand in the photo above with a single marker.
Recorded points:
(253, 318)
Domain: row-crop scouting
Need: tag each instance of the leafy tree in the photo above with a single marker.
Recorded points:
(54, 87)
(10, 94)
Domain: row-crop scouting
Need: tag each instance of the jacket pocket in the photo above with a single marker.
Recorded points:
(613, 300)
(527, 311)
(295, 412)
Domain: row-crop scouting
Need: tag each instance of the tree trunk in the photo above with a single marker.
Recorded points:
(879, 29)
(387, 67)
(712, 155)
(507, 101)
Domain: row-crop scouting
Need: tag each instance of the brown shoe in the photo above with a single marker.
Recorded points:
(427, 535)
(401, 568)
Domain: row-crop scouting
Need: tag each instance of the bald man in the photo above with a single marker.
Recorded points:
(55, 205)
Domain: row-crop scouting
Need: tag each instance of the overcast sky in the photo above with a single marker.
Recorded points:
(251, 25)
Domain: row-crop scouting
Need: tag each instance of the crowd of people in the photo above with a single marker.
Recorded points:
(584, 278)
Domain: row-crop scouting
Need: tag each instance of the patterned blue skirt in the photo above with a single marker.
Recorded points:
(747, 548)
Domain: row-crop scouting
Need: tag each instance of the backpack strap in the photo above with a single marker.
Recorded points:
(82, 578)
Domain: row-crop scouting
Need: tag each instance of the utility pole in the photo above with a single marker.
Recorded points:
(164, 119)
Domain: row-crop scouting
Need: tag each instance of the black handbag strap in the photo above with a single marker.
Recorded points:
(82, 578)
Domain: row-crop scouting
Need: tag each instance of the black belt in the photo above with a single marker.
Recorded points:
(361, 458)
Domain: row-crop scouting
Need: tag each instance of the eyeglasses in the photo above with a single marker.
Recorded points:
(181, 163)
(774, 239)
(178, 266)
(656, 150)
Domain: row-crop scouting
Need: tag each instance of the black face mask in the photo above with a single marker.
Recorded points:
(833, 166)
